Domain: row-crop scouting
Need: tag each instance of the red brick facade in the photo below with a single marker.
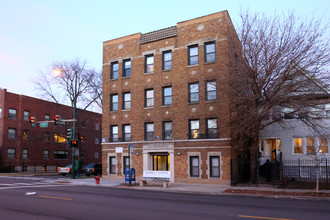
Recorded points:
(24, 148)
(186, 104)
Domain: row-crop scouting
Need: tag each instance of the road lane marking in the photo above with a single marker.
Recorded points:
(259, 217)
(50, 197)
(30, 193)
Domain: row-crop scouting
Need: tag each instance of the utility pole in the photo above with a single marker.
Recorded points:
(74, 123)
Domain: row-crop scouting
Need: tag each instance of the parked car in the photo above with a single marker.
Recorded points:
(93, 169)
(65, 170)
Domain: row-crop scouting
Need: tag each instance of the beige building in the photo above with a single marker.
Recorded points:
(163, 93)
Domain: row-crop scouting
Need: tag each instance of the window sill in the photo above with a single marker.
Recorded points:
(126, 77)
(113, 111)
(125, 110)
(151, 107)
(148, 73)
(113, 80)
(210, 101)
(167, 106)
(193, 65)
(169, 70)
(213, 62)
(193, 103)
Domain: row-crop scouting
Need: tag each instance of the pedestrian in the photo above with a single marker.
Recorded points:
(268, 167)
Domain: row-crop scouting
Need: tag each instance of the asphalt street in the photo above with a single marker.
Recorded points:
(41, 200)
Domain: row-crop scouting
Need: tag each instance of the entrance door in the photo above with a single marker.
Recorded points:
(270, 148)
(161, 162)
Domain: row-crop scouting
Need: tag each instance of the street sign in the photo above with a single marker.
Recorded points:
(43, 125)
(131, 148)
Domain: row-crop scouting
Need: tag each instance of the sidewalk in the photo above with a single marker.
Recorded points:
(261, 190)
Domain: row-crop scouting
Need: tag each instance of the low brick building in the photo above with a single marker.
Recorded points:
(43, 147)
(163, 93)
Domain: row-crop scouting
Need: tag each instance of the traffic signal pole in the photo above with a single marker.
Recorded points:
(74, 123)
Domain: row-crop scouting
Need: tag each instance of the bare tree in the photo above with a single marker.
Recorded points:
(60, 88)
(284, 63)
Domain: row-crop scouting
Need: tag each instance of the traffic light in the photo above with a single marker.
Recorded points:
(74, 143)
(33, 121)
(69, 134)
(57, 119)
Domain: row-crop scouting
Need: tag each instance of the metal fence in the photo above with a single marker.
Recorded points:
(304, 170)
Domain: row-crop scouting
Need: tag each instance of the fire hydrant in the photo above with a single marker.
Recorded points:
(97, 179)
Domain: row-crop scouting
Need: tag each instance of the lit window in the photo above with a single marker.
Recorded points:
(193, 55)
(60, 138)
(114, 70)
(310, 145)
(211, 90)
(324, 145)
(298, 147)
(149, 63)
(167, 60)
(194, 129)
(209, 52)
(127, 68)
(25, 134)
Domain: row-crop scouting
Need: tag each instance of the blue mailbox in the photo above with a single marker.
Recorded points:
(127, 177)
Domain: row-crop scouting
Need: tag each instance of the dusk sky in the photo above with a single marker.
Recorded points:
(35, 33)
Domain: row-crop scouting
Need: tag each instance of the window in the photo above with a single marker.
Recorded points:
(127, 132)
(46, 154)
(113, 133)
(25, 134)
(194, 166)
(149, 131)
(167, 60)
(193, 129)
(60, 138)
(46, 136)
(212, 128)
(96, 155)
(193, 55)
(11, 153)
(310, 145)
(12, 113)
(209, 52)
(25, 153)
(211, 90)
(61, 154)
(26, 115)
(82, 139)
(47, 117)
(126, 163)
(114, 102)
(82, 154)
(149, 64)
(11, 133)
(167, 95)
(298, 147)
(112, 165)
(114, 70)
(127, 68)
(0, 112)
(149, 98)
(97, 141)
(97, 127)
(288, 113)
(214, 166)
(324, 145)
(193, 93)
(126, 100)
(167, 130)
(327, 111)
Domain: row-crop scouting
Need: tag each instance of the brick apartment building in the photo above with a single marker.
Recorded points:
(43, 147)
(163, 93)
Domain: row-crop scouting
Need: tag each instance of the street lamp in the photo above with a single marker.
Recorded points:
(57, 73)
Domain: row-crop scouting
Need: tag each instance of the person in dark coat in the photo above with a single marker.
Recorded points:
(268, 167)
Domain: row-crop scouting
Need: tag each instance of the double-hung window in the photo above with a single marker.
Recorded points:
(211, 90)
(114, 102)
(25, 153)
(194, 129)
(47, 117)
(112, 165)
(193, 55)
(114, 133)
(212, 128)
(149, 131)
(126, 163)
(167, 95)
(12, 113)
(149, 98)
(26, 115)
(126, 100)
(114, 70)
(310, 145)
(149, 63)
(127, 68)
(194, 166)
(209, 52)
(11, 153)
(0, 112)
(11, 133)
(214, 166)
(298, 145)
(167, 130)
(167, 60)
(323, 143)
(193, 92)
(127, 132)
(46, 154)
